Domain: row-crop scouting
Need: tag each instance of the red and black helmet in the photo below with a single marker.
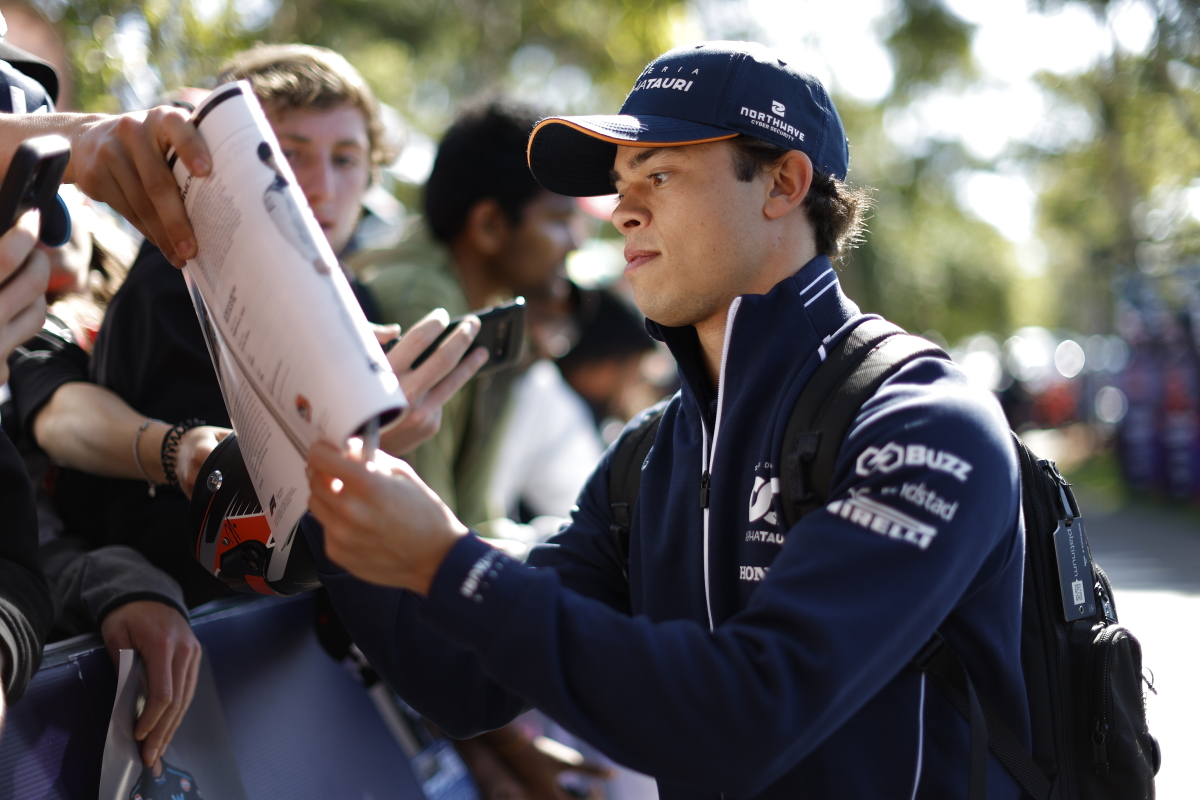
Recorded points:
(234, 541)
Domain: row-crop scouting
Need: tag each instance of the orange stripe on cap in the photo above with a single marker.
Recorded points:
(611, 139)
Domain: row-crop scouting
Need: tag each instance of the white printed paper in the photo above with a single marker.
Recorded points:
(295, 356)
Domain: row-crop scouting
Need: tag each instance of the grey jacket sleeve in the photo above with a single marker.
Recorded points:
(87, 584)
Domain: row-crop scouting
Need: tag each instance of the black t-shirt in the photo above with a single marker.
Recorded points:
(151, 352)
(25, 608)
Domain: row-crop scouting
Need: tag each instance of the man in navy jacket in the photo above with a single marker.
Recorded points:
(738, 658)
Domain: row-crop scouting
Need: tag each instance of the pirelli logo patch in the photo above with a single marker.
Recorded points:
(880, 518)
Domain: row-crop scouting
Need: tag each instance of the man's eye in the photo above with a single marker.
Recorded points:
(345, 161)
(659, 178)
(292, 156)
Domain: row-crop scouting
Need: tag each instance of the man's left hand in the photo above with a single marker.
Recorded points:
(121, 160)
(436, 380)
(382, 523)
(194, 448)
(164, 640)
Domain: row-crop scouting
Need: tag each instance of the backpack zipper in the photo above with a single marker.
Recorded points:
(1104, 592)
(1104, 646)
(1031, 467)
(707, 457)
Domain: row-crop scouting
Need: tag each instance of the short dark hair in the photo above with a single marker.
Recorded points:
(836, 210)
(482, 156)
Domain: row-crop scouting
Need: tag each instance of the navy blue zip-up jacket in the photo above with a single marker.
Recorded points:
(742, 659)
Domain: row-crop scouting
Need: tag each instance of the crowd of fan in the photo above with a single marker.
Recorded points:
(114, 405)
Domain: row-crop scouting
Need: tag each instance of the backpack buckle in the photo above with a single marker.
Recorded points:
(799, 458)
(1060, 482)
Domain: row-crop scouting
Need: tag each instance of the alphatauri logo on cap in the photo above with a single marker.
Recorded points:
(777, 108)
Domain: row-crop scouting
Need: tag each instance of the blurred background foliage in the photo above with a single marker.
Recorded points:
(1111, 197)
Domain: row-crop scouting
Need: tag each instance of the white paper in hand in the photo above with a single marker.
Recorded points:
(295, 356)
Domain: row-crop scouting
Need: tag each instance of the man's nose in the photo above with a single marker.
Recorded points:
(629, 214)
(317, 182)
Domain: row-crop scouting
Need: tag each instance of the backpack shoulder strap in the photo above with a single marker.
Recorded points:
(939, 661)
(851, 373)
(625, 479)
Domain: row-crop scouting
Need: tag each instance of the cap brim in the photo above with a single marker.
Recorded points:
(574, 155)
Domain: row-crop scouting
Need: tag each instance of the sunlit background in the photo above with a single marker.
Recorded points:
(1035, 166)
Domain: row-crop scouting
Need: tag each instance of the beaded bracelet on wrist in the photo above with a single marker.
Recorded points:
(170, 447)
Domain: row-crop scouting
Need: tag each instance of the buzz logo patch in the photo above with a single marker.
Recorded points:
(892, 457)
(762, 498)
(877, 517)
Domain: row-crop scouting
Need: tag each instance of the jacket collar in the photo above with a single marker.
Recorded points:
(794, 319)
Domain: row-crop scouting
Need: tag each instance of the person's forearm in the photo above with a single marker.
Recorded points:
(19, 127)
(90, 428)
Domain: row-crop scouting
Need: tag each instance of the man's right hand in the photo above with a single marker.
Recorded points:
(121, 160)
(24, 272)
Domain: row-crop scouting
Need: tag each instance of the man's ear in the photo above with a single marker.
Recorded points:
(788, 183)
(487, 228)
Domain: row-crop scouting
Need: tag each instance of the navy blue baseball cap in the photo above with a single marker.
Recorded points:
(693, 95)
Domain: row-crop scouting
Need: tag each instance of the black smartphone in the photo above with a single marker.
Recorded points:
(32, 181)
(501, 331)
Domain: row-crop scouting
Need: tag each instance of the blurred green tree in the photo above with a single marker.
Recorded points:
(1115, 202)
(425, 56)
(926, 263)
(125, 54)
(421, 56)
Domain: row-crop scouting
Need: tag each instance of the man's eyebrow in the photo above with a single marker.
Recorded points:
(636, 160)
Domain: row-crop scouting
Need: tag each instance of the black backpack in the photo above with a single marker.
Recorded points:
(1083, 671)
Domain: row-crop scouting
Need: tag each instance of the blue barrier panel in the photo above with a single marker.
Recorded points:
(301, 726)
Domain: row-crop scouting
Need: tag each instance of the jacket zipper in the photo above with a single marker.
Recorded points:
(707, 456)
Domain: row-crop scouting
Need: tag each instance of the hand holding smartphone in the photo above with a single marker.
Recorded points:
(32, 181)
(501, 333)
